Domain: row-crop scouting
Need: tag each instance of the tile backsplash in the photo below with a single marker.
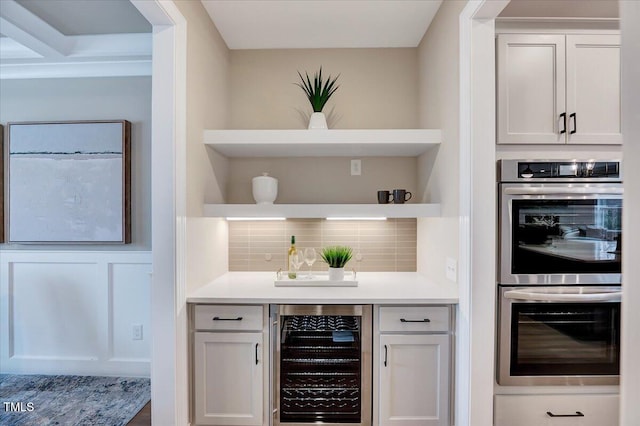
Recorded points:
(388, 245)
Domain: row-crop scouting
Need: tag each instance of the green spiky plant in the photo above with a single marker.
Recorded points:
(318, 92)
(336, 256)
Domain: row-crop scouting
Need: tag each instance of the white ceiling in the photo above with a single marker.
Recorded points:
(285, 24)
(561, 9)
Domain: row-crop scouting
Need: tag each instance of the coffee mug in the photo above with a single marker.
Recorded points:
(400, 196)
(384, 197)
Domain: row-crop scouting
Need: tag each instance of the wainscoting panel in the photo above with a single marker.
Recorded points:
(129, 284)
(72, 312)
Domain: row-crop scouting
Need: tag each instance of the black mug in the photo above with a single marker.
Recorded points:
(400, 196)
(384, 197)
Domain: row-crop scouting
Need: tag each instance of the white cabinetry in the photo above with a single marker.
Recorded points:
(556, 89)
(412, 366)
(230, 365)
(560, 410)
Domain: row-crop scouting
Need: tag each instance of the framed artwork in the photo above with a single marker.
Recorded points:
(1, 184)
(69, 182)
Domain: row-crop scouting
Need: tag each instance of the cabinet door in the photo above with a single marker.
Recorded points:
(593, 89)
(556, 410)
(414, 380)
(228, 378)
(531, 88)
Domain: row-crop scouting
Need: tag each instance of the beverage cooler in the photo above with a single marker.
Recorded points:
(323, 365)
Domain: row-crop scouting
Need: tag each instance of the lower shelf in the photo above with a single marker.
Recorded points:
(336, 211)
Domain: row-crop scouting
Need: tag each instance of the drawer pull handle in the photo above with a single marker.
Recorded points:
(226, 319)
(422, 320)
(577, 414)
(385, 355)
(257, 353)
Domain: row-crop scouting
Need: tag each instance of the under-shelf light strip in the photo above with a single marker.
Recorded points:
(356, 218)
(255, 218)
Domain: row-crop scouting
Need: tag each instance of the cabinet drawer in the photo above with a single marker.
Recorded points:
(414, 318)
(228, 317)
(551, 410)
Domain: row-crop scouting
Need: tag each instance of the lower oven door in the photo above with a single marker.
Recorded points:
(559, 335)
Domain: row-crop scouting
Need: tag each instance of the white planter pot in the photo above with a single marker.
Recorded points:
(318, 121)
(265, 189)
(336, 274)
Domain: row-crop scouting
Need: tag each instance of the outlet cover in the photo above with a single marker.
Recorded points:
(356, 167)
(136, 331)
(451, 270)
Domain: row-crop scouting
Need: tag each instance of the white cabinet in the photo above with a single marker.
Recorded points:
(560, 410)
(413, 363)
(230, 366)
(556, 89)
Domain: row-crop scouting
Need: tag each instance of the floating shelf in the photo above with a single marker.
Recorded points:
(323, 143)
(410, 210)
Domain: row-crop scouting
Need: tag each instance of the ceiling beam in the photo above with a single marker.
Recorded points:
(27, 29)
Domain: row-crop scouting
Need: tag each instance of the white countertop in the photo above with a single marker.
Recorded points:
(373, 288)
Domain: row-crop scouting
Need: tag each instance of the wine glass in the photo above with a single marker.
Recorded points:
(309, 259)
(296, 259)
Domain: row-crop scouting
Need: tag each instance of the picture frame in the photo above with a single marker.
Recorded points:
(69, 182)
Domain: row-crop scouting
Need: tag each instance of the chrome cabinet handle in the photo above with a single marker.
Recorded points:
(385, 355)
(577, 414)
(422, 320)
(226, 319)
(257, 353)
(564, 122)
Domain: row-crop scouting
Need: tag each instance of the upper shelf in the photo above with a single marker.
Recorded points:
(323, 143)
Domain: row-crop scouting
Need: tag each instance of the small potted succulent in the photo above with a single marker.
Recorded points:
(318, 92)
(336, 257)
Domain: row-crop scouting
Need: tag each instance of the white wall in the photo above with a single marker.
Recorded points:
(630, 368)
(71, 312)
(63, 99)
(438, 88)
(69, 309)
(377, 88)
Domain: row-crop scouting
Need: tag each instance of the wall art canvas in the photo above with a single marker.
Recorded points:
(1, 184)
(69, 182)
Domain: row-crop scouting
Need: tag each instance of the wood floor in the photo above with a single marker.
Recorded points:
(143, 418)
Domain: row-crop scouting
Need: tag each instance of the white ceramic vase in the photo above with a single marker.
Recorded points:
(317, 121)
(265, 189)
(336, 274)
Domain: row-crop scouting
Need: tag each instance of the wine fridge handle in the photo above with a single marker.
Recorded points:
(385, 355)
(577, 414)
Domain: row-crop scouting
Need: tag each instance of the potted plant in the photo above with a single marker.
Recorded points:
(336, 257)
(318, 92)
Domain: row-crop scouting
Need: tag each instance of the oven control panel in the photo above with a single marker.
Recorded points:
(559, 171)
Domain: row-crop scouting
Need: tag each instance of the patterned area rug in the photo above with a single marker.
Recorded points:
(71, 400)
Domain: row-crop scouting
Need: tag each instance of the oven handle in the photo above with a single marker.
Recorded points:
(566, 190)
(614, 296)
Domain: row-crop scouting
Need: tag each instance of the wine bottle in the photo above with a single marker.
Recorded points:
(292, 250)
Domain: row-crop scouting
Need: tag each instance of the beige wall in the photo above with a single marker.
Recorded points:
(438, 83)
(322, 180)
(207, 108)
(388, 245)
(377, 88)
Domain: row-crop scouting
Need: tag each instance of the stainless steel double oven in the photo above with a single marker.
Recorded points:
(559, 272)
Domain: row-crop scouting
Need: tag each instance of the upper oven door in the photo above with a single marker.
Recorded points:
(560, 233)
